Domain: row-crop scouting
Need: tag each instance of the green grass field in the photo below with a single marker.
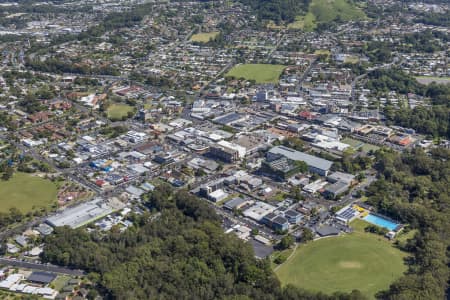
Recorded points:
(359, 260)
(261, 73)
(26, 192)
(204, 37)
(118, 111)
(430, 79)
(306, 22)
(352, 59)
(330, 10)
(358, 144)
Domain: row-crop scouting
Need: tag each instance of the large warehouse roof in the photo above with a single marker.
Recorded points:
(81, 214)
(311, 161)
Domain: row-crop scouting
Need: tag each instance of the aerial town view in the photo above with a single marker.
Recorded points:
(225, 149)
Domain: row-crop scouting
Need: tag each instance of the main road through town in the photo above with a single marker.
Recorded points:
(40, 267)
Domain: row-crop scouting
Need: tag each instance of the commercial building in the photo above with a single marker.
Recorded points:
(227, 151)
(81, 214)
(279, 167)
(235, 203)
(346, 214)
(341, 176)
(335, 189)
(293, 216)
(276, 222)
(217, 195)
(258, 211)
(315, 164)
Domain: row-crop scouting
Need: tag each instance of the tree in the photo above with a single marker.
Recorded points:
(15, 214)
(307, 235)
(255, 231)
(8, 174)
(286, 242)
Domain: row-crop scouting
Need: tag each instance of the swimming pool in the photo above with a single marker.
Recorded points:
(381, 222)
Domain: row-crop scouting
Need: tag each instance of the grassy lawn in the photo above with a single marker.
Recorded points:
(26, 192)
(261, 73)
(279, 196)
(354, 261)
(204, 37)
(118, 111)
(306, 22)
(358, 144)
(322, 52)
(352, 59)
(60, 282)
(285, 253)
(358, 225)
(430, 79)
(329, 10)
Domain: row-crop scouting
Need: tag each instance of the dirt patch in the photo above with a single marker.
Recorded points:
(350, 264)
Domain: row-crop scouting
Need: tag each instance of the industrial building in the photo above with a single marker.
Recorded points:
(315, 164)
(82, 214)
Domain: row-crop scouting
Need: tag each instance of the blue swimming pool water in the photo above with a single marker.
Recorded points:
(379, 221)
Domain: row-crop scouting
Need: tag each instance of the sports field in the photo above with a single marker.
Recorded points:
(26, 192)
(359, 260)
(204, 37)
(355, 144)
(118, 111)
(261, 73)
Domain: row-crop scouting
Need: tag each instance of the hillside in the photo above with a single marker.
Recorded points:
(305, 14)
(326, 11)
(278, 11)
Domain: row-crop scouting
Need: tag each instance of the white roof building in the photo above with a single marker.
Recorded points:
(259, 210)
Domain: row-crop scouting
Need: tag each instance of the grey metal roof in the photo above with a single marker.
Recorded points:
(291, 213)
(235, 202)
(310, 160)
(41, 277)
(327, 230)
(337, 188)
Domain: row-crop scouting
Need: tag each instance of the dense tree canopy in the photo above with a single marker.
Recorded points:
(278, 10)
(413, 188)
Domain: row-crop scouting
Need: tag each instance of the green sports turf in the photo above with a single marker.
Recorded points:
(118, 111)
(204, 37)
(359, 260)
(261, 73)
(26, 192)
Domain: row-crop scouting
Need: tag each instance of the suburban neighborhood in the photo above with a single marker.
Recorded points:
(286, 131)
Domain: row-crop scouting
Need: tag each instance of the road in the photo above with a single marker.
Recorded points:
(41, 267)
